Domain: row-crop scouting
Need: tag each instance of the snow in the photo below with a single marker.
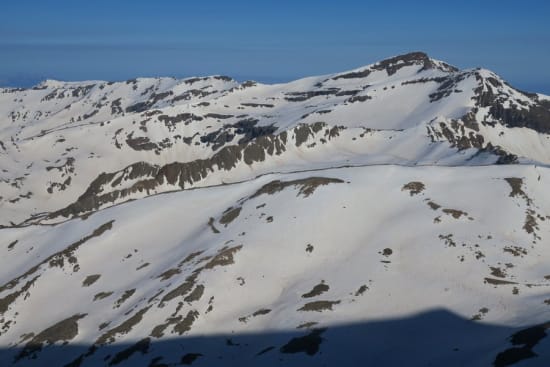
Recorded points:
(467, 262)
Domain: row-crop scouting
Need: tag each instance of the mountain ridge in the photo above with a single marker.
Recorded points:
(253, 223)
(257, 126)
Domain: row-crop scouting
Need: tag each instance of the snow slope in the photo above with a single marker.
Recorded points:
(355, 219)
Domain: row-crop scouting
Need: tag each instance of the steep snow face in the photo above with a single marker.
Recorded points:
(325, 213)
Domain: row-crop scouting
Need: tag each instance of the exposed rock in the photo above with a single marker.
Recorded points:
(306, 186)
(317, 290)
(304, 96)
(127, 294)
(141, 346)
(122, 328)
(524, 341)
(308, 344)
(181, 290)
(414, 187)
(187, 322)
(90, 279)
(189, 358)
(319, 306)
(224, 257)
(229, 215)
(63, 331)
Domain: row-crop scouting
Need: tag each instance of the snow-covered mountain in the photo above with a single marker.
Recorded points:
(396, 214)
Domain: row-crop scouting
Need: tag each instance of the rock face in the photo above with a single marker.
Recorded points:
(316, 222)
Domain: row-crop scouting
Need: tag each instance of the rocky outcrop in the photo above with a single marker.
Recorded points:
(145, 179)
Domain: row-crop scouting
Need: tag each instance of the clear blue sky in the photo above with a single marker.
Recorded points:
(266, 40)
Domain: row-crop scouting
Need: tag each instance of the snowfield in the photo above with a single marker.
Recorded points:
(396, 214)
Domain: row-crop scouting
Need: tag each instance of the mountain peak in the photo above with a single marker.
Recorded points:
(417, 58)
(393, 64)
(409, 56)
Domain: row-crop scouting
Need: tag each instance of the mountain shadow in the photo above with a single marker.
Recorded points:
(433, 338)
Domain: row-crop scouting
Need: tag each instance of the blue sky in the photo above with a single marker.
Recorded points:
(270, 41)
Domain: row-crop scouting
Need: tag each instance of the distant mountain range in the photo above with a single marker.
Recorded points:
(396, 214)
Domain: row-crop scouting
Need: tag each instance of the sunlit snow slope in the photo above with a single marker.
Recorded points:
(396, 214)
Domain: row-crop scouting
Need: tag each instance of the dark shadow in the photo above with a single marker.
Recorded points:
(434, 338)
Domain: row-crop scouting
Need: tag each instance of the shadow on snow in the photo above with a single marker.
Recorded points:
(433, 338)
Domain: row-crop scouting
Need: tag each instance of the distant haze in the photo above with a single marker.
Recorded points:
(268, 41)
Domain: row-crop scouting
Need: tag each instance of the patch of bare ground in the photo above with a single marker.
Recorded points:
(317, 290)
(186, 323)
(229, 215)
(180, 290)
(195, 295)
(362, 289)
(169, 274)
(497, 281)
(433, 205)
(260, 312)
(515, 250)
(123, 328)
(319, 306)
(308, 344)
(224, 257)
(102, 295)
(480, 314)
(127, 294)
(414, 187)
(515, 184)
(90, 279)
(306, 186)
(497, 272)
(456, 214)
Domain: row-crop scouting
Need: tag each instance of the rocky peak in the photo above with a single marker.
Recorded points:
(509, 106)
(395, 63)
